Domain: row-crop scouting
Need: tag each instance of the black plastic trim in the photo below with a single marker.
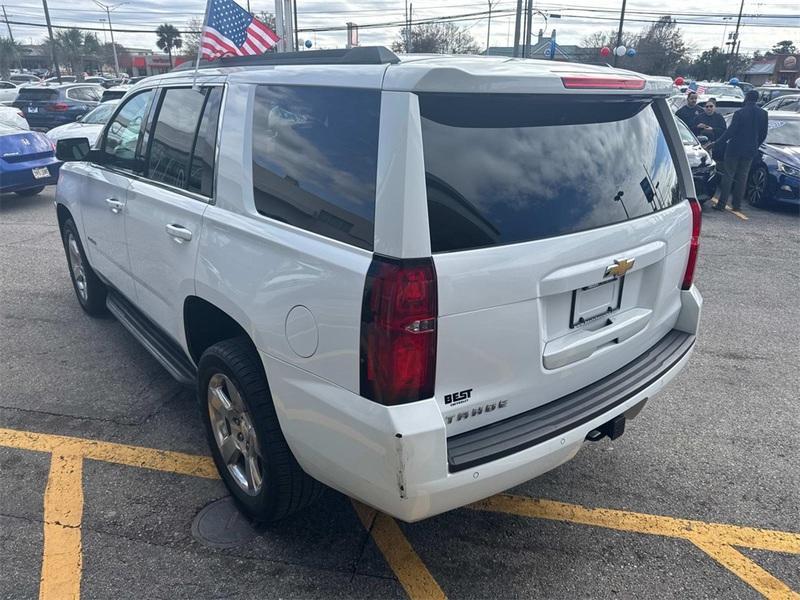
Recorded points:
(161, 346)
(545, 422)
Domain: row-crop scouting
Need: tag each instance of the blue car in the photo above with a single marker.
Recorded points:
(49, 106)
(775, 174)
(27, 161)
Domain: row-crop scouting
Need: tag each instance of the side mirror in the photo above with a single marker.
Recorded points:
(72, 149)
(702, 139)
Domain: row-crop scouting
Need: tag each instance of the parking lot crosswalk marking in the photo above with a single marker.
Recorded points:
(737, 563)
(411, 572)
(63, 510)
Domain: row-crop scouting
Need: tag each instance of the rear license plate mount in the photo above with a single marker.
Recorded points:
(33, 109)
(593, 302)
(41, 172)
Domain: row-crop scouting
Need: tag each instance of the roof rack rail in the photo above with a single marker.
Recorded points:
(367, 55)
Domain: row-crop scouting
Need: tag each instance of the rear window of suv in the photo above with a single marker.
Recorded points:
(315, 159)
(507, 168)
(37, 94)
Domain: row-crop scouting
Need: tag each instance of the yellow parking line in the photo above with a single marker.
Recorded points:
(737, 563)
(411, 572)
(741, 215)
(63, 509)
(134, 456)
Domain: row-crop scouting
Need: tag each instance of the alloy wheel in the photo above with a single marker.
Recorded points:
(756, 185)
(76, 266)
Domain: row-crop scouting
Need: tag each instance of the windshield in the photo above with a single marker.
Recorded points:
(100, 115)
(784, 132)
(724, 90)
(687, 137)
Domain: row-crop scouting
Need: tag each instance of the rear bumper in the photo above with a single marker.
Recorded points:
(396, 458)
(18, 177)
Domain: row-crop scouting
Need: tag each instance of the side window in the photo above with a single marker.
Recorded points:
(790, 105)
(315, 155)
(122, 135)
(77, 94)
(201, 169)
(173, 134)
(93, 94)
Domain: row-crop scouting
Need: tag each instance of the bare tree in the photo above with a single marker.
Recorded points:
(438, 38)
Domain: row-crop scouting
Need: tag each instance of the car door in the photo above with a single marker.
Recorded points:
(106, 193)
(166, 206)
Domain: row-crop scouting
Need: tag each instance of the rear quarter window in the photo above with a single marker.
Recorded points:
(37, 95)
(503, 169)
(315, 153)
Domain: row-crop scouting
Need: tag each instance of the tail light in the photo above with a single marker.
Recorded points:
(694, 244)
(57, 107)
(601, 81)
(398, 331)
(21, 114)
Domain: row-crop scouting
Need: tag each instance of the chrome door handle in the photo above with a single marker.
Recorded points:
(179, 233)
(115, 205)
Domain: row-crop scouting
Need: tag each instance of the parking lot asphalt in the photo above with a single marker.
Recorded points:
(104, 467)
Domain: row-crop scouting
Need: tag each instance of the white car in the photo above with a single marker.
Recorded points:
(88, 126)
(14, 117)
(419, 280)
(8, 92)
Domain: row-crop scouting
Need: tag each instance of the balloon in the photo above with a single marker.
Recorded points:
(620, 50)
(308, 44)
(734, 81)
(605, 52)
(679, 81)
(631, 52)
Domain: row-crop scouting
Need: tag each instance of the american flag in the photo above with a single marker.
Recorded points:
(232, 31)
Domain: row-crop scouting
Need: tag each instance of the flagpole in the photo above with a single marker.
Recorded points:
(200, 46)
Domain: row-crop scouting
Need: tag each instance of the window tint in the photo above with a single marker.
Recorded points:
(82, 94)
(122, 134)
(173, 135)
(502, 169)
(201, 170)
(315, 156)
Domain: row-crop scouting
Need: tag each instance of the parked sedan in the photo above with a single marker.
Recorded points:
(790, 102)
(27, 161)
(8, 92)
(51, 106)
(704, 169)
(89, 126)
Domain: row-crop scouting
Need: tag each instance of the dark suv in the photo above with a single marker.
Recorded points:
(46, 107)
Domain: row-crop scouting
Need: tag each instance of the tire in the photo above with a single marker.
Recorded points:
(756, 190)
(91, 292)
(30, 192)
(274, 486)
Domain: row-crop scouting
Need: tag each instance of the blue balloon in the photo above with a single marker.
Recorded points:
(631, 52)
(309, 44)
(734, 81)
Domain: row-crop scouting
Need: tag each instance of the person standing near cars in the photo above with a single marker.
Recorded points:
(711, 124)
(747, 132)
(689, 112)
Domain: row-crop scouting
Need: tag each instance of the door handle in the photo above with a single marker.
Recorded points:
(179, 233)
(115, 205)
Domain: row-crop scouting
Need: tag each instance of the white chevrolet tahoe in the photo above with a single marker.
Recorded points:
(418, 280)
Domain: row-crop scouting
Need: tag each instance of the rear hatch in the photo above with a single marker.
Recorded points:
(17, 145)
(35, 102)
(560, 236)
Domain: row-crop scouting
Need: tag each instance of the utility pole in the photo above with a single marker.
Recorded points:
(410, 18)
(517, 24)
(296, 35)
(11, 36)
(488, 27)
(528, 23)
(619, 32)
(52, 41)
(108, 8)
(734, 40)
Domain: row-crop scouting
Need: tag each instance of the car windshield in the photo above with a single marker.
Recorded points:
(784, 132)
(724, 90)
(100, 115)
(687, 137)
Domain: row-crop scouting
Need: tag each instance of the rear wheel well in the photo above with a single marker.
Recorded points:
(205, 325)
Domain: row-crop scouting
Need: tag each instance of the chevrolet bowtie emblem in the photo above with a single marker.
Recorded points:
(620, 267)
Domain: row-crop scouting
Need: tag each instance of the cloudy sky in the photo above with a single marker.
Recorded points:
(703, 23)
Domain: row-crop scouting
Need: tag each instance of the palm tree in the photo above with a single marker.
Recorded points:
(168, 38)
(71, 45)
(9, 51)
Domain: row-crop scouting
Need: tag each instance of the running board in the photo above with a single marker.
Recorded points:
(157, 343)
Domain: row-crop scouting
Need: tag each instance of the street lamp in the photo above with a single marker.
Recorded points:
(108, 8)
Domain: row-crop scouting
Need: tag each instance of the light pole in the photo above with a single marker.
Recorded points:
(103, 25)
(724, 30)
(52, 41)
(619, 32)
(488, 26)
(108, 8)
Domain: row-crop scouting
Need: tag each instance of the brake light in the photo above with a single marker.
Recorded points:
(21, 114)
(601, 81)
(57, 106)
(398, 331)
(694, 244)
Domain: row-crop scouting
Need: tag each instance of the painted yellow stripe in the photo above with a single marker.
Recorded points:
(741, 215)
(749, 537)
(134, 456)
(63, 509)
(741, 566)
(411, 572)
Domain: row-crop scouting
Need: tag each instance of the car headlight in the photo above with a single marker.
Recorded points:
(788, 170)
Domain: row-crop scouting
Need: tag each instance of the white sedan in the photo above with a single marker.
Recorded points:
(89, 126)
(14, 117)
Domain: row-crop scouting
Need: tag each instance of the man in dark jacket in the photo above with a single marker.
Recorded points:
(712, 125)
(689, 112)
(747, 132)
